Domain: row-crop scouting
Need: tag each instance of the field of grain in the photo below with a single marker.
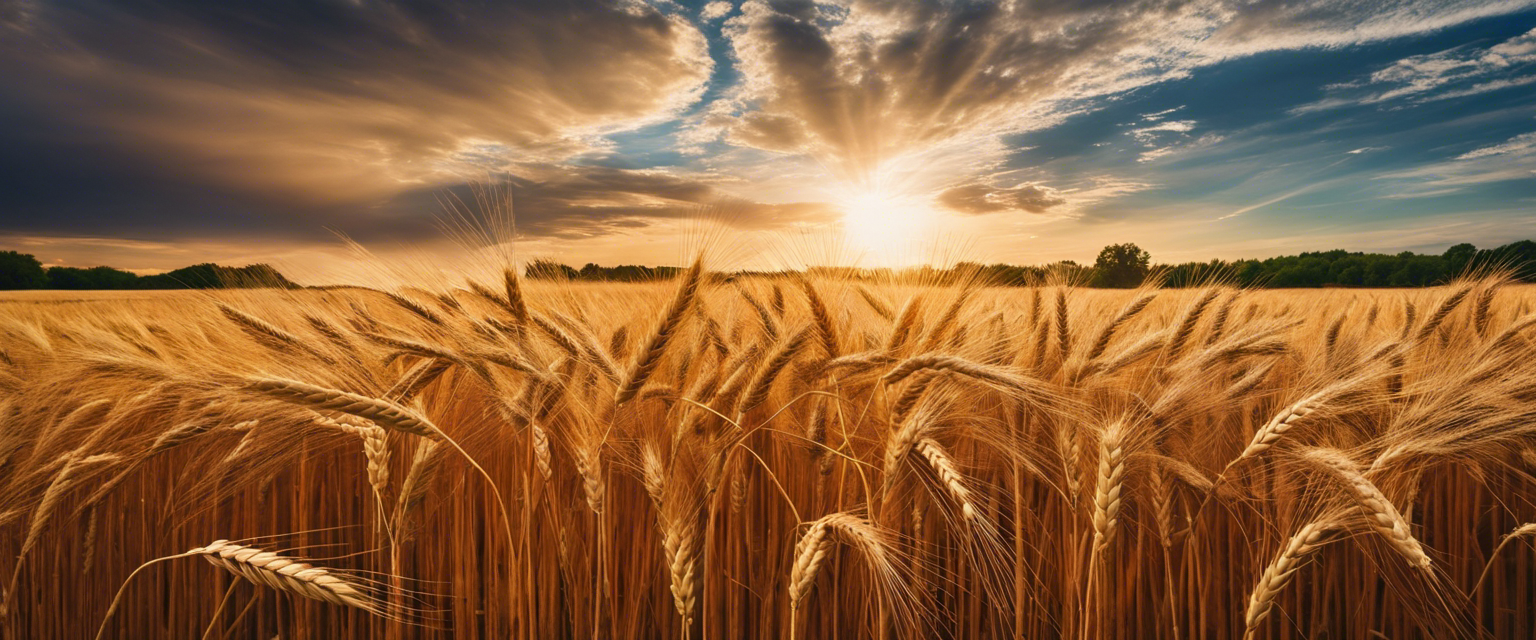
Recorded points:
(769, 458)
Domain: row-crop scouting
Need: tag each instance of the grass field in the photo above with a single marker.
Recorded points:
(769, 458)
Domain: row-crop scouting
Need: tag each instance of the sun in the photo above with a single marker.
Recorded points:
(886, 229)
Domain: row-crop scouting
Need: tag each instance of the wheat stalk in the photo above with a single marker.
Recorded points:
(425, 461)
(69, 475)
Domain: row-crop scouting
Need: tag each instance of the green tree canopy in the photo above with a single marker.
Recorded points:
(1121, 266)
(21, 271)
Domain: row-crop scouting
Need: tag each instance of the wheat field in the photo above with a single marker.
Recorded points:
(769, 457)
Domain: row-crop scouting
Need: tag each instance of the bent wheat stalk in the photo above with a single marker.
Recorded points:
(268, 569)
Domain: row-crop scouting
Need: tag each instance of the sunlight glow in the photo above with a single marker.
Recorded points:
(886, 230)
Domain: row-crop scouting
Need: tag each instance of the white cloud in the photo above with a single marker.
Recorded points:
(940, 74)
(716, 10)
(1452, 73)
(1159, 115)
(1508, 160)
(1521, 145)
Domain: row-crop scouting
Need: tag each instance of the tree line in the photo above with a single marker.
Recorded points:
(1117, 266)
(23, 271)
(1127, 265)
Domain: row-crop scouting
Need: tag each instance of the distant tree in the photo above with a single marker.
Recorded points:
(95, 278)
(1458, 257)
(549, 270)
(1518, 256)
(21, 271)
(1121, 266)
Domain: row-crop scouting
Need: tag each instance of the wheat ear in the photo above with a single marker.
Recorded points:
(812, 549)
(769, 371)
(269, 335)
(770, 326)
(880, 307)
(1126, 315)
(1379, 512)
(680, 540)
(825, 329)
(415, 308)
(1441, 312)
(999, 377)
(589, 467)
(1181, 336)
(649, 357)
(382, 412)
(1278, 574)
(948, 319)
(949, 475)
(1107, 494)
(1522, 531)
(905, 321)
(541, 451)
(413, 489)
(375, 448)
(266, 568)
(1063, 328)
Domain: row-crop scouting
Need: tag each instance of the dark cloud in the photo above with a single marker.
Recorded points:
(573, 202)
(329, 102)
(976, 199)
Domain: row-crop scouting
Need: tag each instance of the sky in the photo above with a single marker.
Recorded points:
(151, 134)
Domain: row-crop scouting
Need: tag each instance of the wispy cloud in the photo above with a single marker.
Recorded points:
(1520, 145)
(1513, 159)
(1277, 199)
(1453, 73)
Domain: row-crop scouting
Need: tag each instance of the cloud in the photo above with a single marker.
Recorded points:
(863, 84)
(1512, 159)
(1168, 137)
(182, 118)
(1521, 145)
(874, 79)
(347, 102)
(1452, 73)
(716, 10)
(976, 199)
(570, 202)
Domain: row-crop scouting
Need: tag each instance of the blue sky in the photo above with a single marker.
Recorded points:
(152, 134)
